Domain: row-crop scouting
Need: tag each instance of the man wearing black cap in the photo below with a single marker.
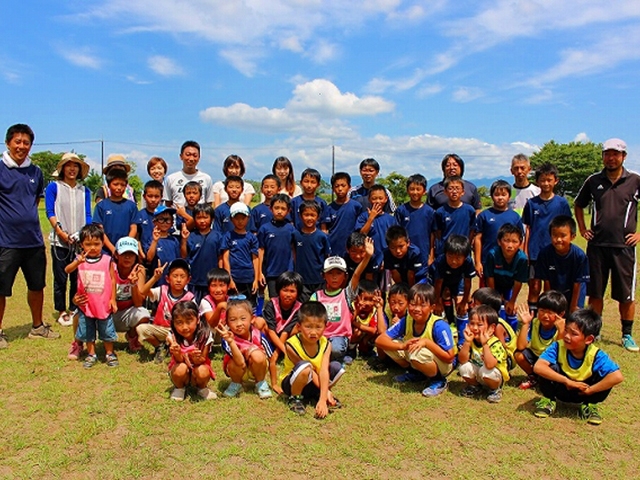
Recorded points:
(613, 235)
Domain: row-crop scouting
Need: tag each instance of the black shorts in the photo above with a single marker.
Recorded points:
(621, 262)
(529, 356)
(32, 262)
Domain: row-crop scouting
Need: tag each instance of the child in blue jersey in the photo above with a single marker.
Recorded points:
(574, 370)
(261, 213)
(403, 259)
(117, 215)
(538, 333)
(164, 247)
(152, 197)
(562, 265)
(202, 249)
(356, 252)
(418, 218)
(240, 253)
(247, 351)
(192, 192)
(537, 214)
(233, 185)
(454, 218)
(341, 214)
(421, 342)
(489, 221)
(309, 373)
(447, 273)
(311, 247)
(507, 269)
(213, 306)
(375, 222)
(309, 182)
(483, 358)
(274, 241)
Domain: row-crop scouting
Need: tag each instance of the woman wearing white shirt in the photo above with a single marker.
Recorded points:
(233, 165)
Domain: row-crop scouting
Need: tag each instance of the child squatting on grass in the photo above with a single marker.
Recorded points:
(189, 342)
(309, 372)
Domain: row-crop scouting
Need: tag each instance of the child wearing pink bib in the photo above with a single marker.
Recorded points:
(97, 288)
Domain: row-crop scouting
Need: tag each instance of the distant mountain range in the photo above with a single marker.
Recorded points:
(486, 182)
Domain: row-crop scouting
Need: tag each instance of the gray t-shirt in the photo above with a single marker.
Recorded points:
(174, 183)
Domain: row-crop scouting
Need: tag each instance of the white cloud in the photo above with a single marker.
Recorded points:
(164, 66)
(80, 57)
(136, 80)
(582, 137)
(429, 90)
(381, 85)
(543, 96)
(466, 94)
(292, 25)
(316, 106)
(242, 59)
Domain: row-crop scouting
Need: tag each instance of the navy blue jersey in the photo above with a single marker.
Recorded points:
(115, 217)
(145, 228)
(412, 261)
(203, 254)
(242, 249)
(488, 222)
(294, 215)
(562, 272)
(453, 221)
(377, 232)
(451, 277)
(260, 214)
(420, 223)
(537, 215)
(506, 274)
(222, 219)
(371, 272)
(311, 251)
(275, 239)
(20, 191)
(438, 198)
(167, 250)
(341, 222)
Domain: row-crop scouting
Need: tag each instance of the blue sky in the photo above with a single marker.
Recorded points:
(402, 81)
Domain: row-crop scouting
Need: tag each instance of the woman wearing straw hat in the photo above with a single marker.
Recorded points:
(116, 161)
(68, 206)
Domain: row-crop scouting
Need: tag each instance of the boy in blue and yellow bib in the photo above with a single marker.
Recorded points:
(308, 369)
(574, 370)
(421, 341)
(538, 333)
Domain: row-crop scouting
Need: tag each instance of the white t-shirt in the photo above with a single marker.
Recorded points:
(174, 183)
(218, 188)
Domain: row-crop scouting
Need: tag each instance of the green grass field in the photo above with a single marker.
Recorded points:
(61, 421)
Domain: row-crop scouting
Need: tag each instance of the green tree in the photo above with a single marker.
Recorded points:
(397, 185)
(575, 162)
(485, 198)
(47, 161)
(93, 181)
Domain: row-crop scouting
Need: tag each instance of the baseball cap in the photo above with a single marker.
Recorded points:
(335, 262)
(237, 208)
(614, 144)
(163, 209)
(179, 263)
(127, 244)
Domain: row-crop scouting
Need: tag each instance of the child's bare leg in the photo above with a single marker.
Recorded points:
(91, 348)
(236, 372)
(258, 364)
(523, 363)
(108, 347)
(273, 372)
(260, 324)
(491, 384)
(180, 375)
(201, 376)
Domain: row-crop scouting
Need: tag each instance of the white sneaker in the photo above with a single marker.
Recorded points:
(207, 394)
(178, 394)
(65, 319)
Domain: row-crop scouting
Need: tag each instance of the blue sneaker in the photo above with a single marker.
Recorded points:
(233, 390)
(436, 388)
(347, 360)
(409, 376)
(629, 343)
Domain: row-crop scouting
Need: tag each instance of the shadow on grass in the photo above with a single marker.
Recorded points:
(18, 331)
(563, 410)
